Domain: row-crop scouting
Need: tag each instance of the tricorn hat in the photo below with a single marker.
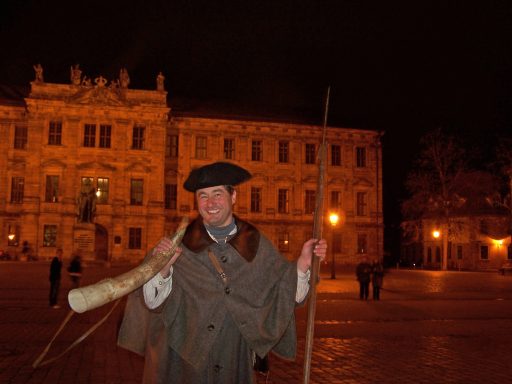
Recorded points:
(215, 174)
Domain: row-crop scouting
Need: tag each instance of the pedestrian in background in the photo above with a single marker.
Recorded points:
(363, 273)
(55, 273)
(75, 271)
(377, 278)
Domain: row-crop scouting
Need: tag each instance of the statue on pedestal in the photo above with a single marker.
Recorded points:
(76, 75)
(86, 204)
(160, 82)
(124, 79)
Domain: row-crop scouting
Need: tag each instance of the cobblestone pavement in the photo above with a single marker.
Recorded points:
(429, 327)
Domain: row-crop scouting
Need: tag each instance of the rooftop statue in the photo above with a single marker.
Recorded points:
(124, 79)
(39, 73)
(160, 82)
(76, 75)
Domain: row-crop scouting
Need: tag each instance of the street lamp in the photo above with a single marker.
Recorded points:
(436, 234)
(333, 218)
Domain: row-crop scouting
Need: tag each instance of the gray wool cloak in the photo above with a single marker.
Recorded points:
(206, 330)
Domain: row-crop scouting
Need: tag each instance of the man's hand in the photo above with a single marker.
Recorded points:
(165, 245)
(310, 246)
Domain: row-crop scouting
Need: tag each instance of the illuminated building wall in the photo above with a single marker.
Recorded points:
(136, 153)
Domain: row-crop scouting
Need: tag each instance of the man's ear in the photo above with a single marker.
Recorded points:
(233, 197)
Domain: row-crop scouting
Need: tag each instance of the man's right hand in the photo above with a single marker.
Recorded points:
(164, 245)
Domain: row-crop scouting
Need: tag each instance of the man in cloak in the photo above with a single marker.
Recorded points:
(226, 297)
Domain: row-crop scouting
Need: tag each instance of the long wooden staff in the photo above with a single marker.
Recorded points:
(317, 234)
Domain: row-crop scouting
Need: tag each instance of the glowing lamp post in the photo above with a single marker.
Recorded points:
(436, 234)
(333, 218)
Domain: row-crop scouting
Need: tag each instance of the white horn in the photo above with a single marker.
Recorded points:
(107, 290)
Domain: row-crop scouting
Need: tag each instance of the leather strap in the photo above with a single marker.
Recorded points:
(217, 266)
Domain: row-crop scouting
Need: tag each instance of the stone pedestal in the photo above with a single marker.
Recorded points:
(84, 240)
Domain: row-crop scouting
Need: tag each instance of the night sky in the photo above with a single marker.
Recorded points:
(401, 67)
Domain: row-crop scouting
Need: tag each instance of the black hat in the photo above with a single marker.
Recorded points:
(215, 174)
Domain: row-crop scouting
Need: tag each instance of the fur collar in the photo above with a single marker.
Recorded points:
(245, 241)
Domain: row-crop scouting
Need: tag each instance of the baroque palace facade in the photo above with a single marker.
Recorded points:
(97, 168)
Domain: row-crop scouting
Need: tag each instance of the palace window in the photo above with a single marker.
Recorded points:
(255, 199)
(360, 157)
(284, 152)
(335, 155)
(49, 235)
(335, 202)
(52, 189)
(134, 238)
(102, 190)
(229, 148)
(20, 137)
(55, 133)
(459, 252)
(136, 189)
(361, 205)
(362, 243)
(283, 241)
(171, 148)
(171, 196)
(256, 150)
(310, 153)
(138, 136)
(310, 202)
(105, 136)
(201, 147)
(283, 204)
(89, 135)
(17, 189)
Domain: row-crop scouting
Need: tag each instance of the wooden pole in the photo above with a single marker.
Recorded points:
(317, 234)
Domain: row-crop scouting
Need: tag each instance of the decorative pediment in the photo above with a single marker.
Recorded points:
(137, 167)
(362, 182)
(284, 178)
(96, 165)
(53, 163)
(310, 179)
(99, 94)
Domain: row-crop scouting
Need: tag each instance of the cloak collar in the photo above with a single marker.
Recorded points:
(245, 241)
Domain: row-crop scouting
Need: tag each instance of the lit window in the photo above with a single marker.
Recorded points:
(102, 191)
(283, 241)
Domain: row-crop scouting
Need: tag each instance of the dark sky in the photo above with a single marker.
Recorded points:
(402, 67)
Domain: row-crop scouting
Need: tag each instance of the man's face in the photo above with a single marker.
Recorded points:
(215, 205)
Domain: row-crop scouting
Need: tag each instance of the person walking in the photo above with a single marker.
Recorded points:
(377, 278)
(226, 297)
(75, 271)
(363, 273)
(55, 274)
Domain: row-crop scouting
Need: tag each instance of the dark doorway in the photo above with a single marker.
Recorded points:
(101, 243)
